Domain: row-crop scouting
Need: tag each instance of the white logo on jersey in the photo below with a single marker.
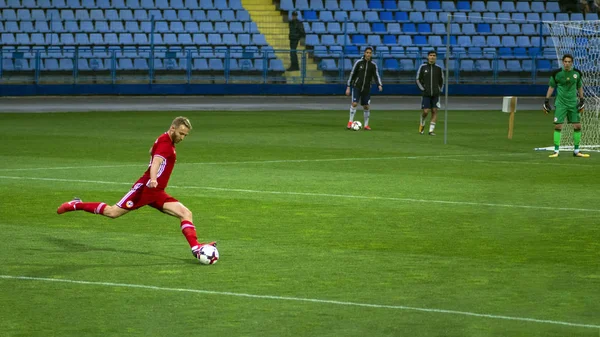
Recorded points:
(574, 75)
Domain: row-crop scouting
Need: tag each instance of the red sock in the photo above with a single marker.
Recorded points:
(189, 231)
(91, 207)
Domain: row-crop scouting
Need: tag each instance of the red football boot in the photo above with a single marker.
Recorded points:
(68, 206)
(367, 128)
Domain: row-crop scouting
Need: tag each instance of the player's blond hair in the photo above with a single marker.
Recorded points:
(182, 121)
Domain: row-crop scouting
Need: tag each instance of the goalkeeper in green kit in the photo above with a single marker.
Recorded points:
(569, 103)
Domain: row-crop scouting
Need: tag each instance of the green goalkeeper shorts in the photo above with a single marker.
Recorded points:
(570, 112)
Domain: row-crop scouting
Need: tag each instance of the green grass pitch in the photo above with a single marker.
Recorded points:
(322, 231)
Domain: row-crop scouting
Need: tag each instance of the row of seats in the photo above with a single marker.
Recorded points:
(217, 64)
(129, 27)
(431, 17)
(494, 41)
(69, 39)
(423, 6)
(202, 52)
(124, 15)
(422, 28)
(407, 64)
(124, 4)
(243, 15)
(471, 52)
(203, 64)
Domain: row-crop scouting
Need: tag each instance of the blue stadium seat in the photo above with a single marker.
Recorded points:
(513, 29)
(199, 15)
(498, 29)
(416, 17)
(407, 65)
(230, 39)
(419, 6)
(420, 40)
(562, 17)
(552, 7)
(215, 64)
(520, 52)
(50, 64)
(483, 29)
(523, 41)
(390, 39)
(577, 17)
(206, 27)
(478, 6)
(438, 29)
(467, 65)
(538, 7)
(435, 41)
(332, 5)
(448, 6)
(378, 27)
(527, 65)
(371, 17)
(221, 27)
(405, 40)
(475, 53)
(519, 17)
(505, 52)
(434, 5)
(140, 14)
(409, 28)
(509, 41)
(508, 6)
(184, 15)
(390, 4)
(340, 16)
(276, 65)
(533, 17)
(375, 4)
(468, 29)
(326, 16)
(464, 41)
(523, 7)
(483, 65)
(424, 28)
(401, 16)
(394, 28)
(360, 5)
(391, 65)
(200, 39)
(430, 17)
(41, 26)
(356, 16)
(513, 66)
(404, 5)
(493, 41)
(493, 6)
(328, 64)
(386, 16)
(463, 6)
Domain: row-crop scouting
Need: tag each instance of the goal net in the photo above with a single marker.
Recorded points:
(582, 40)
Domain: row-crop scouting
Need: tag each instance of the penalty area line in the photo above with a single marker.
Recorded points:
(300, 299)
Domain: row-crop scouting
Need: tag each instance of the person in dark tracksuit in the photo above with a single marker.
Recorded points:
(296, 34)
(430, 80)
(363, 72)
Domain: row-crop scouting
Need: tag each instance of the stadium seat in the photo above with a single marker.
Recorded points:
(407, 65)
(493, 6)
(463, 6)
(552, 7)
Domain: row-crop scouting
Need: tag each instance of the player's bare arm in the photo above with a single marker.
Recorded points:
(156, 162)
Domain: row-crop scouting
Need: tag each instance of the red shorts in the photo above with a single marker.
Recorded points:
(141, 195)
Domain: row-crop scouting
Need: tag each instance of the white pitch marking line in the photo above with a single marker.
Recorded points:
(347, 196)
(299, 299)
(253, 162)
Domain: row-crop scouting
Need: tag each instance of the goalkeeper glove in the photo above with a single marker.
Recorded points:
(580, 104)
(546, 106)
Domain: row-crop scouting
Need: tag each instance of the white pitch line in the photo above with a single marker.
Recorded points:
(253, 162)
(300, 299)
(328, 195)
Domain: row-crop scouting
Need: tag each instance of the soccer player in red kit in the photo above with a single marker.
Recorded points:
(150, 188)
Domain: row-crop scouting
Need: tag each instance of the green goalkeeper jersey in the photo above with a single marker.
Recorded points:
(567, 82)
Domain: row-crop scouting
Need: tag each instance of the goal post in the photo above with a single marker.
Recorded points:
(581, 39)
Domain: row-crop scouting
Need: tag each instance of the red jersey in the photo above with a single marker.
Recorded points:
(164, 148)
